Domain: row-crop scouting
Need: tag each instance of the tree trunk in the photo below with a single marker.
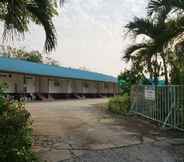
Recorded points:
(165, 69)
(156, 69)
(150, 70)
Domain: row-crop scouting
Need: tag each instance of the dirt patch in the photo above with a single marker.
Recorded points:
(137, 124)
(157, 152)
(74, 127)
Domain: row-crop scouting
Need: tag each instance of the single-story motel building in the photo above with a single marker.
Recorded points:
(40, 81)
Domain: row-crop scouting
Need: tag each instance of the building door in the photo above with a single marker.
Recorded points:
(30, 85)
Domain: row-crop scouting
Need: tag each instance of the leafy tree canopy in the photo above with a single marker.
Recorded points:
(33, 56)
(128, 78)
(161, 54)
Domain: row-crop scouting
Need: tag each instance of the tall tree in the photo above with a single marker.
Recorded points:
(160, 34)
(150, 50)
(140, 55)
(17, 15)
(164, 7)
(174, 17)
(22, 54)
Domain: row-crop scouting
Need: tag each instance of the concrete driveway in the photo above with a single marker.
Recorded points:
(69, 129)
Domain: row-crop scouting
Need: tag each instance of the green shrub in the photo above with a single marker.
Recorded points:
(15, 132)
(119, 104)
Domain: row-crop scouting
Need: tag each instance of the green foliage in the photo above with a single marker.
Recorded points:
(177, 62)
(128, 78)
(164, 7)
(15, 132)
(162, 33)
(22, 54)
(177, 77)
(119, 104)
(18, 14)
(34, 56)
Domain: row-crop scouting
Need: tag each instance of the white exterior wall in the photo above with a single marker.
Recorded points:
(54, 86)
(19, 80)
(116, 88)
(85, 88)
(64, 86)
(95, 90)
(89, 87)
(35, 84)
(79, 86)
(14, 82)
(47, 85)
(92, 87)
(76, 86)
(69, 86)
(43, 85)
(101, 87)
(111, 88)
(106, 88)
(30, 84)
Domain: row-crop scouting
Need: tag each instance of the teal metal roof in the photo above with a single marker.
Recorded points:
(26, 67)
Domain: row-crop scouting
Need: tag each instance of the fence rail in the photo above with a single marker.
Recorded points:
(164, 104)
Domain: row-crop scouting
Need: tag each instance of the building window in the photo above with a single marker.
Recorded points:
(106, 86)
(3, 75)
(56, 84)
(25, 88)
(86, 85)
(29, 78)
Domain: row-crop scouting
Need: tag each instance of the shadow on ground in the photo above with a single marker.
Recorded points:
(151, 152)
(81, 130)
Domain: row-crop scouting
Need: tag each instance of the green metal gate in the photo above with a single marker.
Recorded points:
(164, 104)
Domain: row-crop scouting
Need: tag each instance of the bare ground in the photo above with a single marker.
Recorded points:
(83, 129)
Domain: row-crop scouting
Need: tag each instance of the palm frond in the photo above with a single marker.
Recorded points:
(17, 14)
(143, 26)
(164, 6)
(140, 56)
(43, 15)
(131, 49)
(141, 50)
(172, 33)
(15, 18)
(158, 6)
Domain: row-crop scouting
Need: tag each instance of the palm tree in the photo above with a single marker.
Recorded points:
(17, 15)
(164, 7)
(161, 33)
(140, 55)
(151, 49)
(175, 7)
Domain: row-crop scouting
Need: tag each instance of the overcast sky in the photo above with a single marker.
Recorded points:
(90, 33)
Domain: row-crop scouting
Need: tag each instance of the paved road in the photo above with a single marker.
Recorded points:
(148, 152)
(81, 128)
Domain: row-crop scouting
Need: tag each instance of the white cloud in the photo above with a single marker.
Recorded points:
(89, 33)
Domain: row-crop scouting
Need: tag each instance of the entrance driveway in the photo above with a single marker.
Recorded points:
(70, 129)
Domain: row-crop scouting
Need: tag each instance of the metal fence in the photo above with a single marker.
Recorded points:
(164, 104)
